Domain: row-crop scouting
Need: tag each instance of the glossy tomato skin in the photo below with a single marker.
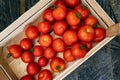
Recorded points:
(15, 50)
(59, 3)
(26, 43)
(76, 27)
(86, 33)
(49, 53)
(33, 68)
(70, 37)
(67, 55)
(57, 64)
(87, 44)
(100, 34)
(27, 77)
(42, 61)
(73, 18)
(38, 50)
(83, 10)
(44, 26)
(45, 40)
(72, 3)
(27, 57)
(45, 74)
(78, 50)
(58, 45)
(59, 27)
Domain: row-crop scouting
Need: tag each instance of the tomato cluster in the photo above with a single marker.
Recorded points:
(75, 31)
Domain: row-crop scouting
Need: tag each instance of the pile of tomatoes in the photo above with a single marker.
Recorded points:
(75, 30)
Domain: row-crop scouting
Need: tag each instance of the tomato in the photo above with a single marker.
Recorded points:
(86, 33)
(27, 57)
(44, 26)
(76, 27)
(100, 34)
(47, 15)
(58, 45)
(83, 10)
(87, 44)
(70, 37)
(73, 18)
(45, 74)
(57, 64)
(59, 27)
(68, 55)
(59, 13)
(72, 3)
(38, 50)
(42, 61)
(33, 68)
(27, 77)
(26, 43)
(49, 53)
(45, 40)
(31, 32)
(78, 50)
(59, 3)
(91, 20)
(15, 50)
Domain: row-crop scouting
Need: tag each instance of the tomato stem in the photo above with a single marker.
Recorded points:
(78, 15)
(83, 47)
(8, 55)
(58, 68)
(54, 7)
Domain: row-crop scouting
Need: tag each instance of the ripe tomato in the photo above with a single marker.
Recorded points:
(31, 32)
(70, 37)
(45, 40)
(57, 64)
(59, 13)
(59, 27)
(38, 51)
(76, 27)
(15, 50)
(45, 74)
(27, 77)
(73, 18)
(86, 33)
(100, 34)
(68, 55)
(49, 53)
(78, 50)
(87, 44)
(26, 43)
(44, 26)
(27, 57)
(59, 3)
(47, 15)
(42, 61)
(72, 3)
(91, 20)
(83, 10)
(33, 68)
(58, 45)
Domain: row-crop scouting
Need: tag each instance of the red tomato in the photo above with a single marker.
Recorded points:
(49, 53)
(87, 44)
(100, 34)
(44, 26)
(27, 57)
(59, 3)
(72, 3)
(47, 15)
(59, 27)
(26, 43)
(15, 50)
(86, 33)
(78, 50)
(33, 68)
(83, 10)
(70, 37)
(59, 13)
(58, 45)
(91, 20)
(31, 32)
(57, 64)
(27, 77)
(68, 55)
(38, 51)
(45, 74)
(42, 61)
(76, 27)
(45, 40)
(73, 18)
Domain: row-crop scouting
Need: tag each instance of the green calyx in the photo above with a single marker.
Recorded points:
(8, 55)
